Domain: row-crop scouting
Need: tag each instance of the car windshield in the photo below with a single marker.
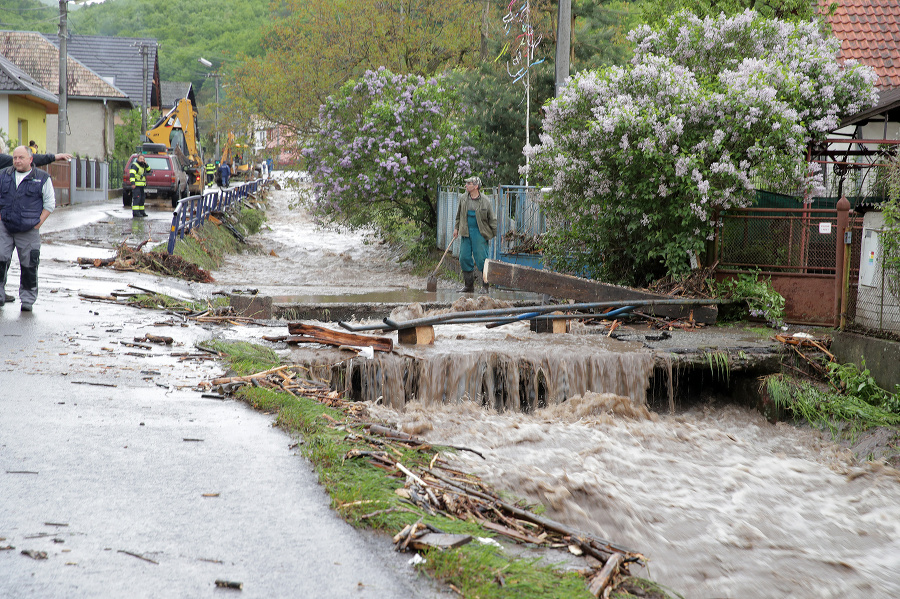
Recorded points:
(158, 163)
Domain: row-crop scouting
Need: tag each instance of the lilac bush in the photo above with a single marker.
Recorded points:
(643, 159)
(382, 145)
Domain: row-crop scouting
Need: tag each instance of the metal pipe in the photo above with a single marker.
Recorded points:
(609, 314)
(501, 312)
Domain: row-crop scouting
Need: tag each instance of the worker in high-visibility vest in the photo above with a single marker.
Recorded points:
(138, 177)
(210, 173)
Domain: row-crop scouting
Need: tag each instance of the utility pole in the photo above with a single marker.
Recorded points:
(563, 42)
(145, 51)
(62, 118)
(215, 74)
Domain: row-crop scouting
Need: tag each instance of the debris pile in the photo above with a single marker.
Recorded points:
(434, 488)
(134, 259)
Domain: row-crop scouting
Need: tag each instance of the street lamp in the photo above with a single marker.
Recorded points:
(209, 65)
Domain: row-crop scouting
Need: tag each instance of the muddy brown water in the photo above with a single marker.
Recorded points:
(722, 502)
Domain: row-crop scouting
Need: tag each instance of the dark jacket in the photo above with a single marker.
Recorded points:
(39, 160)
(21, 207)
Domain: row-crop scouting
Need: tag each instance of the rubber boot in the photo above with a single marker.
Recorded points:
(135, 214)
(4, 268)
(485, 287)
(469, 282)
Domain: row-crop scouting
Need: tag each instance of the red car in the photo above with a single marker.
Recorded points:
(166, 180)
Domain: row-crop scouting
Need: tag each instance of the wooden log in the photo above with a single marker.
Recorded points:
(155, 339)
(601, 581)
(317, 334)
(416, 336)
(561, 286)
(97, 261)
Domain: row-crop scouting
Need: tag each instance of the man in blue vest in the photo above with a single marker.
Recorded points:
(26, 200)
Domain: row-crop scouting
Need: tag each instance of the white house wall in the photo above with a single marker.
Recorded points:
(4, 113)
(89, 121)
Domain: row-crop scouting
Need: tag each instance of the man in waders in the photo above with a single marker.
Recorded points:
(138, 175)
(476, 223)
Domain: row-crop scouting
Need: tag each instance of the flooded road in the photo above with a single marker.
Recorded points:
(722, 503)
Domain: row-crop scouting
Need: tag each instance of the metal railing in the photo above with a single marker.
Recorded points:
(193, 211)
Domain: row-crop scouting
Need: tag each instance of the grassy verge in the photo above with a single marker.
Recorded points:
(207, 245)
(366, 495)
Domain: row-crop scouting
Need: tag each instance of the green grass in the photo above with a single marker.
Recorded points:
(167, 302)
(208, 244)
(358, 488)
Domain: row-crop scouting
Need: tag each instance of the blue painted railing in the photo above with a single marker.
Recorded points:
(193, 211)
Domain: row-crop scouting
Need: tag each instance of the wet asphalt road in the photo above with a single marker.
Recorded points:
(131, 482)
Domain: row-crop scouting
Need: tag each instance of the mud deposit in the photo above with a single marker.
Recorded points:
(721, 502)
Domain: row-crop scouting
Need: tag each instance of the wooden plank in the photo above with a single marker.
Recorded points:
(511, 533)
(440, 540)
(547, 325)
(308, 333)
(560, 286)
(416, 335)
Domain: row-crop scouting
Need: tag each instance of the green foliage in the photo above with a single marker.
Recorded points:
(761, 297)
(890, 235)
(313, 48)
(128, 134)
(599, 30)
(655, 12)
(381, 147)
(642, 159)
(207, 249)
(840, 413)
(850, 380)
(219, 30)
(28, 15)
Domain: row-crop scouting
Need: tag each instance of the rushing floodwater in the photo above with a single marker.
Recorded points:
(722, 503)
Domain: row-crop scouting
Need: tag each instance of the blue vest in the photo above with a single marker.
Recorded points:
(21, 207)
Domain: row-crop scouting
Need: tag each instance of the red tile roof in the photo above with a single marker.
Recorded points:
(35, 55)
(869, 31)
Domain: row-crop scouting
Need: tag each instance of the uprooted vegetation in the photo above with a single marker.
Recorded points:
(198, 252)
(390, 481)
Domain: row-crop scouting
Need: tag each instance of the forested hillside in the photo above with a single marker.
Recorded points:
(218, 30)
(31, 15)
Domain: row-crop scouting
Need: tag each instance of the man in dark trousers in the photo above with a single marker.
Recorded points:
(38, 160)
(138, 175)
(26, 200)
(225, 173)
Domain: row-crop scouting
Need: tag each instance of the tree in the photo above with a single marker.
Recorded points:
(128, 134)
(382, 145)
(642, 159)
(657, 12)
(315, 47)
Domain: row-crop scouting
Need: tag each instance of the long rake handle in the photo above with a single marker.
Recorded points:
(443, 256)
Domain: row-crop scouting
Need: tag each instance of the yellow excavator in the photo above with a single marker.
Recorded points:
(237, 156)
(177, 130)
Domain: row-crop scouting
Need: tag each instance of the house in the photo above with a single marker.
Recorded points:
(120, 62)
(173, 91)
(869, 31)
(92, 100)
(24, 106)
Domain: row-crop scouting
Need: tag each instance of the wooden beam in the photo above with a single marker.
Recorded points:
(560, 286)
(308, 333)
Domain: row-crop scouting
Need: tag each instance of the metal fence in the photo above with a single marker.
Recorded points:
(874, 290)
(193, 211)
(800, 241)
(520, 222)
